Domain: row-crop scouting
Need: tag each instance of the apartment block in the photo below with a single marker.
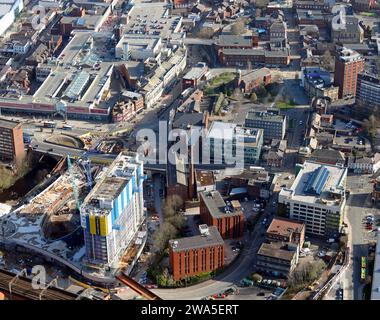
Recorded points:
(113, 212)
(348, 64)
(11, 141)
(227, 217)
(198, 254)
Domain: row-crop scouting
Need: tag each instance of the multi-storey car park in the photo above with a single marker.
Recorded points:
(317, 197)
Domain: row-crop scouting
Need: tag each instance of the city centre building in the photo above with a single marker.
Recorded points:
(317, 197)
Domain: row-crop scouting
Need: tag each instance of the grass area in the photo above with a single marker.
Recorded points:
(285, 105)
(368, 14)
(222, 79)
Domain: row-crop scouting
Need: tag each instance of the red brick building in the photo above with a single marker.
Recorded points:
(228, 218)
(198, 254)
(286, 230)
(250, 80)
(348, 64)
(239, 58)
(11, 141)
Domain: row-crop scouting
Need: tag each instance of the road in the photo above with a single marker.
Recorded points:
(358, 205)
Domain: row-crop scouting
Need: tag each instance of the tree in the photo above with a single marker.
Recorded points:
(206, 33)
(327, 61)
(256, 277)
(370, 125)
(253, 97)
(163, 235)
(261, 3)
(238, 27)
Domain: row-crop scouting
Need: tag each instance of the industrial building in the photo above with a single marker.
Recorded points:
(198, 254)
(11, 141)
(227, 217)
(113, 212)
(317, 198)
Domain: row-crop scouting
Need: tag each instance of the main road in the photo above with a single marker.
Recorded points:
(358, 205)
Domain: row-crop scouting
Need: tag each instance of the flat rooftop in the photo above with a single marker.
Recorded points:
(152, 18)
(200, 241)
(204, 178)
(317, 183)
(8, 124)
(285, 227)
(265, 116)
(217, 207)
(274, 250)
(111, 183)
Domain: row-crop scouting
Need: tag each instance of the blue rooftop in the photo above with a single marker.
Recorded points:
(317, 181)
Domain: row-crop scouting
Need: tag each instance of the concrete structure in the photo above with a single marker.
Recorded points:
(317, 197)
(365, 165)
(205, 181)
(142, 47)
(194, 76)
(11, 141)
(368, 92)
(273, 124)
(348, 64)
(229, 143)
(113, 211)
(228, 218)
(276, 259)
(198, 254)
(346, 30)
(9, 9)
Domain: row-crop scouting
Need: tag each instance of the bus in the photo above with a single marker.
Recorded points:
(67, 127)
(49, 124)
(363, 269)
(362, 275)
(363, 262)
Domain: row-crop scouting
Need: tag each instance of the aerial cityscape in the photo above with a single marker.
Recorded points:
(189, 150)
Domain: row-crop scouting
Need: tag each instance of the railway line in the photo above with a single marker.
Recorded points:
(21, 287)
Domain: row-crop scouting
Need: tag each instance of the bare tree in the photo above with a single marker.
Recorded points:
(238, 27)
(206, 33)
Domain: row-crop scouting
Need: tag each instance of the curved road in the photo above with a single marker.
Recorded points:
(239, 269)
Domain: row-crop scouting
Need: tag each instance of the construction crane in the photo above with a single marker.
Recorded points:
(75, 188)
(86, 164)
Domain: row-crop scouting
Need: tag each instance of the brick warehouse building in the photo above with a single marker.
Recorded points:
(11, 141)
(228, 218)
(198, 254)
